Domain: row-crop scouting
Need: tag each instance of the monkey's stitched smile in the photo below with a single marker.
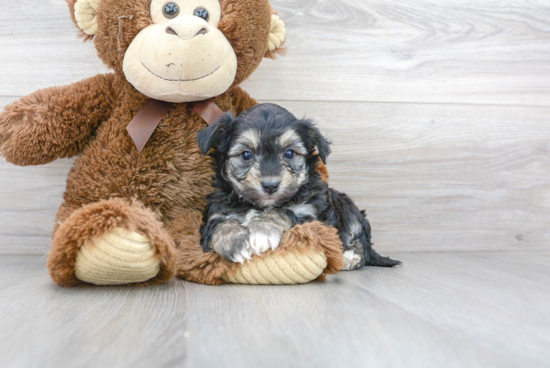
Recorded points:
(180, 80)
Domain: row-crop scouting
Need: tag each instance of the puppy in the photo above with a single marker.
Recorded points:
(267, 182)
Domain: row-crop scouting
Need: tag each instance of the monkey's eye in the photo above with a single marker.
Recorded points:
(289, 154)
(247, 156)
(201, 13)
(171, 10)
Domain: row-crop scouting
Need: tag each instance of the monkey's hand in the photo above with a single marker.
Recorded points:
(55, 122)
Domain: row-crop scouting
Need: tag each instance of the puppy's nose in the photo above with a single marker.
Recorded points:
(270, 186)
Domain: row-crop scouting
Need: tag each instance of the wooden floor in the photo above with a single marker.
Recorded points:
(440, 117)
(483, 309)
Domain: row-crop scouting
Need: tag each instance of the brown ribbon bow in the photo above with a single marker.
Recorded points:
(143, 125)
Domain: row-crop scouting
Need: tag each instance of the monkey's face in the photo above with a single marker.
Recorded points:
(181, 50)
(267, 166)
(182, 56)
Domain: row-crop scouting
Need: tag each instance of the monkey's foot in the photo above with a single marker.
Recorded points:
(111, 242)
(295, 266)
(307, 252)
(116, 258)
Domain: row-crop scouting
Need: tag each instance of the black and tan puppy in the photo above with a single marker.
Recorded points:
(267, 181)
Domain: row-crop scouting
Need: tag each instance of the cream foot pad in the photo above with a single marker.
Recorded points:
(119, 257)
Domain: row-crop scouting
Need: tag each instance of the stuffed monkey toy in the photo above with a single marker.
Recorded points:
(134, 198)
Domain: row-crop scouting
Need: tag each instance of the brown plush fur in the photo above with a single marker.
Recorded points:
(159, 192)
(56, 122)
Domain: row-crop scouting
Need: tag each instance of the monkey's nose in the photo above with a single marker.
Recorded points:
(172, 31)
(270, 186)
(202, 31)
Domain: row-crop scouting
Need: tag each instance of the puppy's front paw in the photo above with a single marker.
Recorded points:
(264, 239)
(240, 251)
(231, 241)
(266, 231)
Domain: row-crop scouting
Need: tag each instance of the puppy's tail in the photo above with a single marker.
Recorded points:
(372, 258)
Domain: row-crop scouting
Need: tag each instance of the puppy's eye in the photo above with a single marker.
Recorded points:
(201, 13)
(289, 154)
(171, 10)
(247, 156)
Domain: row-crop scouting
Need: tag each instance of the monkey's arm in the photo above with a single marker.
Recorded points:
(55, 122)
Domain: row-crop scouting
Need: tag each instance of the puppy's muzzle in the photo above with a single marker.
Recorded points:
(270, 187)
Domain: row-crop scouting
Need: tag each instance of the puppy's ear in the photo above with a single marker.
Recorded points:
(322, 144)
(210, 137)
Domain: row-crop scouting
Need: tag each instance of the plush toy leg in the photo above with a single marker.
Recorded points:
(307, 252)
(111, 242)
(192, 263)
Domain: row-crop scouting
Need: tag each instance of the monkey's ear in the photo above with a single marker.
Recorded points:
(210, 136)
(84, 13)
(277, 35)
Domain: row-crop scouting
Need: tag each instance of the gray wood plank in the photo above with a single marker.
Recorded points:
(482, 309)
(40, 48)
(465, 51)
(431, 177)
(44, 325)
(500, 300)
(319, 325)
